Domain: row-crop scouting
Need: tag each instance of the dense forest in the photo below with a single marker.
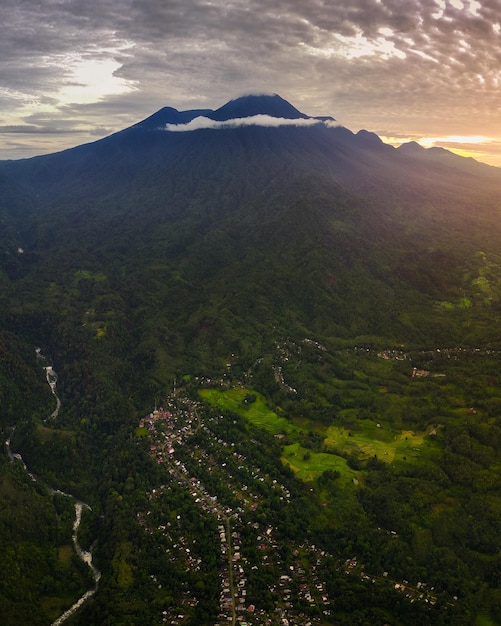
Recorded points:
(317, 314)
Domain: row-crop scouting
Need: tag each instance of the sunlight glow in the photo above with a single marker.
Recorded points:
(94, 79)
(471, 154)
(428, 142)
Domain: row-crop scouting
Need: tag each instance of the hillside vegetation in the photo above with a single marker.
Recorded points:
(327, 305)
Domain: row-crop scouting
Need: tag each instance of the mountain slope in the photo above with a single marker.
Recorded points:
(348, 214)
(356, 286)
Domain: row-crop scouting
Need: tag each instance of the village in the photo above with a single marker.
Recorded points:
(186, 442)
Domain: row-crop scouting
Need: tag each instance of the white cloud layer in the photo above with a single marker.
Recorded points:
(202, 122)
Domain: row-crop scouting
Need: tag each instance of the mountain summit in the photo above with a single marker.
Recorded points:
(247, 106)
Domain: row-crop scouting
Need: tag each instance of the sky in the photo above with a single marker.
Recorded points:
(73, 71)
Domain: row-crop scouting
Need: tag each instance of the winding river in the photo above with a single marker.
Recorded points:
(85, 556)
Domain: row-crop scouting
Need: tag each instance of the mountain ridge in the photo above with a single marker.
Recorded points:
(274, 106)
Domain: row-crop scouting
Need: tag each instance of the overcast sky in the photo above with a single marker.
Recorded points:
(72, 71)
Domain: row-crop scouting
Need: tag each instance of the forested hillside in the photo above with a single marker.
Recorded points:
(317, 313)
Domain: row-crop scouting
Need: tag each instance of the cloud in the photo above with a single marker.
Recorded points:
(27, 129)
(202, 122)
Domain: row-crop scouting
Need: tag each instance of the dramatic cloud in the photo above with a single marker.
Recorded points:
(421, 68)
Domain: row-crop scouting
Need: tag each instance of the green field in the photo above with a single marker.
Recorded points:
(309, 465)
(306, 464)
(365, 440)
(372, 441)
(257, 412)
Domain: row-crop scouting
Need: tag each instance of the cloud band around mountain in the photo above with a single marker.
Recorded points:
(202, 122)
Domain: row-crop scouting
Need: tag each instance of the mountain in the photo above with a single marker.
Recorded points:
(246, 106)
(318, 315)
(324, 214)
